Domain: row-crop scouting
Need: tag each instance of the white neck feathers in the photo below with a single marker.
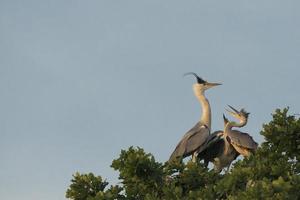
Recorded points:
(206, 111)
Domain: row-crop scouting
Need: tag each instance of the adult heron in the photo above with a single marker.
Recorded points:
(196, 138)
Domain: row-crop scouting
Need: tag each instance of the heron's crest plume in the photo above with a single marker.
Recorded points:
(199, 79)
(244, 112)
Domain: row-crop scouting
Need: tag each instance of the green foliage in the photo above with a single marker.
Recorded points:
(283, 137)
(140, 173)
(85, 186)
(272, 173)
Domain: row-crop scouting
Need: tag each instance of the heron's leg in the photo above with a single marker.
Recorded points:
(206, 163)
(194, 156)
(227, 170)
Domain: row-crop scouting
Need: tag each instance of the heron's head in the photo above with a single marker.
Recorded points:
(241, 115)
(201, 85)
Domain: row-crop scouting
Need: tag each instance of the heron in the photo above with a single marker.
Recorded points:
(223, 147)
(242, 142)
(219, 150)
(195, 139)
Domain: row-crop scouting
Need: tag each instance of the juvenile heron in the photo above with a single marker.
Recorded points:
(195, 139)
(219, 150)
(242, 142)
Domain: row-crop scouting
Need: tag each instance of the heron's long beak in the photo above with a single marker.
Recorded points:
(225, 119)
(236, 112)
(214, 84)
(210, 85)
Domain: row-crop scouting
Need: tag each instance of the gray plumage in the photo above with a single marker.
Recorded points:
(242, 142)
(218, 151)
(192, 141)
(242, 139)
(214, 146)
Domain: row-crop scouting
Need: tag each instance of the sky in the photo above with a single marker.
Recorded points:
(81, 80)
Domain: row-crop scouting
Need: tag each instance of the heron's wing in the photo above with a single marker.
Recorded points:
(214, 137)
(213, 147)
(197, 139)
(242, 139)
(191, 141)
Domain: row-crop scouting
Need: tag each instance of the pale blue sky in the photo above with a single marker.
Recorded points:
(81, 80)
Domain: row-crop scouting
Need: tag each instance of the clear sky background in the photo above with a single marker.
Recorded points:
(81, 80)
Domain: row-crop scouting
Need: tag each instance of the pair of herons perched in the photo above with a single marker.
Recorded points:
(220, 147)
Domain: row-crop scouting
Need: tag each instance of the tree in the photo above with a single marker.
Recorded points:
(272, 173)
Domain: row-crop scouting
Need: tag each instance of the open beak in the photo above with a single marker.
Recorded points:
(225, 119)
(235, 113)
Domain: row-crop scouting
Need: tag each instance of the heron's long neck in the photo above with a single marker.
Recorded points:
(232, 124)
(206, 111)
